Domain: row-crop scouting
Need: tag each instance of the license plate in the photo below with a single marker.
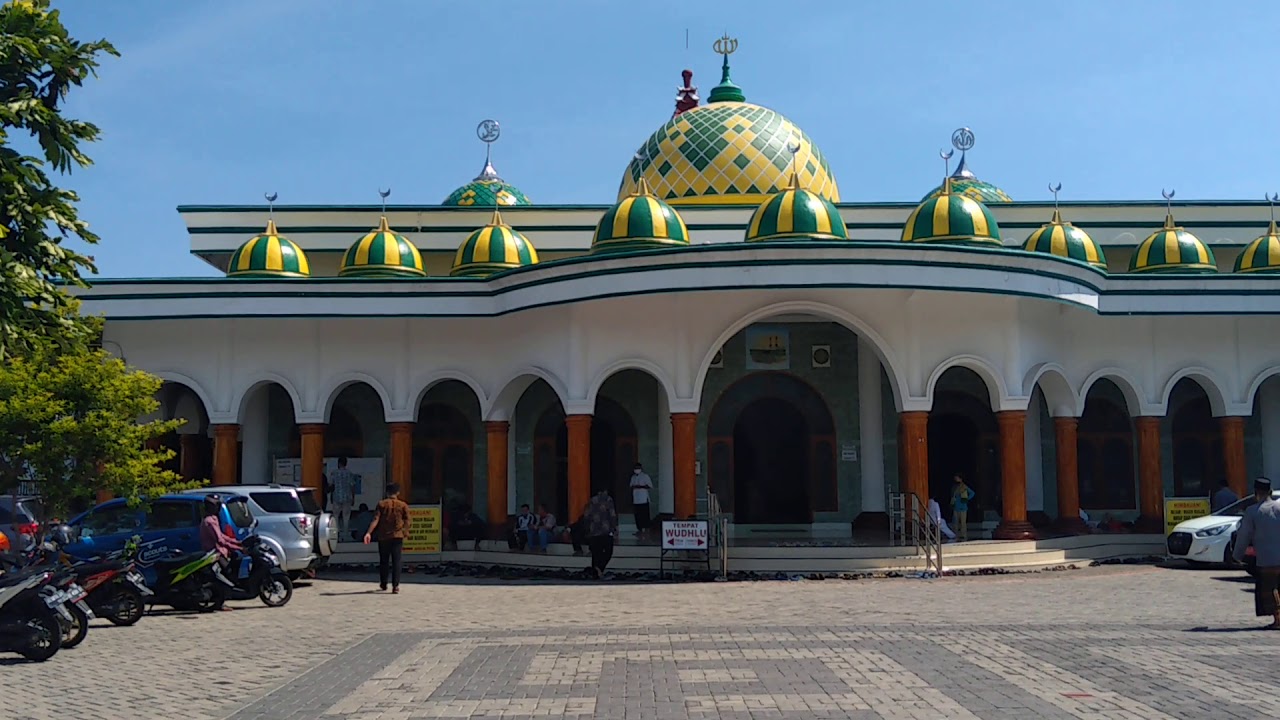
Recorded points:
(136, 578)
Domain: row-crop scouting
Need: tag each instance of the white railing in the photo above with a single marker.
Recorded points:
(911, 524)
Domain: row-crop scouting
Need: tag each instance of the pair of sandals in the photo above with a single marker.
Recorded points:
(394, 591)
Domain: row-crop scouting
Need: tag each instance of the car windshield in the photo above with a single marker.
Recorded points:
(240, 514)
(309, 503)
(277, 501)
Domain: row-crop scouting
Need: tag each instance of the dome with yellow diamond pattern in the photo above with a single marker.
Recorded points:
(727, 152)
(486, 191)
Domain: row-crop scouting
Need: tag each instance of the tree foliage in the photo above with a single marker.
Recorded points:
(39, 64)
(69, 425)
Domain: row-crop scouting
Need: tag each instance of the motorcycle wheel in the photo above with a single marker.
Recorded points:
(277, 589)
(214, 601)
(74, 630)
(48, 636)
(127, 606)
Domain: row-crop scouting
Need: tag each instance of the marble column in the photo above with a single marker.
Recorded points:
(402, 457)
(1013, 477)
(313, 458)
(870, 442)
(579, 463)
(1233, 457)
(1067, 450)
(685, 453)
(1150, 477)
(496, 443)
(226, 445)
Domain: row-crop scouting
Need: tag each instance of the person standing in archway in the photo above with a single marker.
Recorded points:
(961, 494)
(602, 525)
(641, 484)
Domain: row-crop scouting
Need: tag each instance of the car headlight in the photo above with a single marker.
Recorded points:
(1210, 532)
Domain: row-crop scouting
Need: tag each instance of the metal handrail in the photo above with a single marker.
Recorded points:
(915, 527)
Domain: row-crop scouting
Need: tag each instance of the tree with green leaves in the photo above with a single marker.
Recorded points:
(39, 64)
(69, 425)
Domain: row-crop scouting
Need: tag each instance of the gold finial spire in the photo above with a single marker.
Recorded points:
(1057, 216)
(793, 147)
(496, 220)
(1168, 204)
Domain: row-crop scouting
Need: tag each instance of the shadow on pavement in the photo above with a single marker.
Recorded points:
(1206, 629)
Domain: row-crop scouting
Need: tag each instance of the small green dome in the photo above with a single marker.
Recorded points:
(1262, 255)
(487, 190)
(1068, 241)
(382, 253)
(1172, 249)
(953, 219)
(493, 248)
(796, 214)
(269, 255)
(639, 221)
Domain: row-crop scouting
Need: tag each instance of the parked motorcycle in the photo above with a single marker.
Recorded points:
(256, 572)
(117, 591)
(29, 617)
(75, 614)
(191, 582)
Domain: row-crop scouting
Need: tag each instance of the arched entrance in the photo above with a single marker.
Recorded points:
(964, 439)
(1197, 441)
(613, 453)
(1104, 451)
(442, 452)
(771, 450)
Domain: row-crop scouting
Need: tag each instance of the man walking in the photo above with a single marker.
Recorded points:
(641, 484)
(391, 520)
(1260, 528)
(342, 484)
(602, 525)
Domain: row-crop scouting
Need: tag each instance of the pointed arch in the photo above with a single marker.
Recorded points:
(334, 387)
(425, 382)
(1058, 395)
(1207, 380)
(991, 378)
(1256, 385)
(893, 367)
(503, 403)
(639, 364)
(187, 382)
(240, 400)
(1125, 382)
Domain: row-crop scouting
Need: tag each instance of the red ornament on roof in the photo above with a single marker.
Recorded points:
(687, 96)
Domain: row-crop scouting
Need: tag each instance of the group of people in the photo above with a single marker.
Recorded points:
(597, 528)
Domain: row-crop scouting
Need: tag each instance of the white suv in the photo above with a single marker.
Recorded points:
(1210, 539)
(290, 522)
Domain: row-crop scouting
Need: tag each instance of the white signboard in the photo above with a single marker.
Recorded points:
(370, 476)
(684, 534)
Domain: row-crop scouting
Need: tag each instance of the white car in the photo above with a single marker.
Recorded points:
(1210, 539)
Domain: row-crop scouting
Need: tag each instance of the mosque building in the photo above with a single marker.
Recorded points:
(736, 326)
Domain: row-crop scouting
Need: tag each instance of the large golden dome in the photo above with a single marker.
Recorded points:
(727, 152)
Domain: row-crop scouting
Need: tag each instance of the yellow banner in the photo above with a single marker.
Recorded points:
(426, 530)
(1177, 510)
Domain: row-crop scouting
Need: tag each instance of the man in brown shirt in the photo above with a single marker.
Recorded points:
(391, 520)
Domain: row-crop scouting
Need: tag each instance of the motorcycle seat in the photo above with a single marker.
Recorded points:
(94, 568)
(16, 576)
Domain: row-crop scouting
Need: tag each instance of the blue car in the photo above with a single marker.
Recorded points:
(166, 523)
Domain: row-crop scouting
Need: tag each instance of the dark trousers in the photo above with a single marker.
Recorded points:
(642, 516)
(389, 559)
(601, 552)
(578, 535)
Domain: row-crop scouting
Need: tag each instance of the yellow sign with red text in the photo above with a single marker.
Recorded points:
(425, 530)
(1178, 510)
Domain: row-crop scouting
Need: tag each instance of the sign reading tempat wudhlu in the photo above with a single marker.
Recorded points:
(684, 534)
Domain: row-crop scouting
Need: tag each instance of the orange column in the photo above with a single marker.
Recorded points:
(313, 457)
(684, 458)
(226, 450)
(1150, 478)
(1064, 433)
(915, 455)
(402, 457)
(579, 463)
(1233, 453)
(1013, 477)
(497, 433)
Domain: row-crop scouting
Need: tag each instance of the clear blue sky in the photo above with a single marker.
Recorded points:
(218, 101)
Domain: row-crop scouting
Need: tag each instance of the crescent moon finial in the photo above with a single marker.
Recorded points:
(1055, 189)
(946, 156)
(271, 202)
(384, 194)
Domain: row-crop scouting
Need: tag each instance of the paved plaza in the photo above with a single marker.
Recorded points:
(1107, 642)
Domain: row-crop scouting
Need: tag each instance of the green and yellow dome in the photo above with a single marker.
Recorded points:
(796, 214)
(1262, 255)
(1067, 241)
(728, 152)
(269, 255)
(963, 181)
(487, 190)
(493, 248)
(1172, 249)
(382, 253)
(951, 218)
(640, 221)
